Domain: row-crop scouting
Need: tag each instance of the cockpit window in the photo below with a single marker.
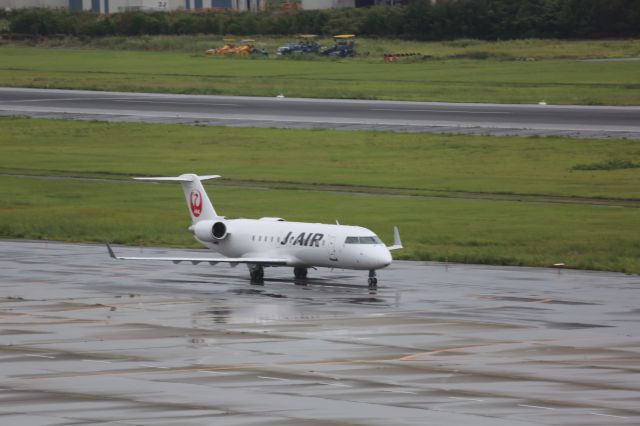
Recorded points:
(367, 240)
(363, 240)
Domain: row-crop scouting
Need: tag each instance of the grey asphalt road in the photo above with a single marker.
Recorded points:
(499, 119)
(90, 340)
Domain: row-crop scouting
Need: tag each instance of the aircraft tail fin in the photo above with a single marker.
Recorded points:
(200, 207)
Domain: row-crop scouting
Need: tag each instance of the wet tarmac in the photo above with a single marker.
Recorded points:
(89, 340)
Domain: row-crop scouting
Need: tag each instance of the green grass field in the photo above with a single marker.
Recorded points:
(472, 231)
(442, 219)
(556, 81)
(423, 163)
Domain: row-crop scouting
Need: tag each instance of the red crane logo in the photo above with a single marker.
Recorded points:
(195, 202)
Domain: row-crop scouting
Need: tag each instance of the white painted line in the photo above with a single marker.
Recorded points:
(397, 391)
(96, 360)
(608, 415)
(535, 406)
(40, 356)
(453, 111)
(335, 384)
(465, 399)
(273, 378)
(54, 99)
(176, 103)
(213, 372)
(153, 366)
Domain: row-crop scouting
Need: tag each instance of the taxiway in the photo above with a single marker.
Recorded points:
(495, 119)
(89, 340)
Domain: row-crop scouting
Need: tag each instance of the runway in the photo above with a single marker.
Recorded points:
(90, 340)
(495, 119)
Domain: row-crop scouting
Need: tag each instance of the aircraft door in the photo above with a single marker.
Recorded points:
(332, 248)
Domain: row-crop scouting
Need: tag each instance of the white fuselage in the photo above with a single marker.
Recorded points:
(302, 244)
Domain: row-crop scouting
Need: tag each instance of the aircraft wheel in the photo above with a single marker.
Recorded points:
(300, 273)
(373, 281)
(257, 275)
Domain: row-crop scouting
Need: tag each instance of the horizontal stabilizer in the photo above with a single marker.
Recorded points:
(200, 206)
(211, 260)
(182, 178)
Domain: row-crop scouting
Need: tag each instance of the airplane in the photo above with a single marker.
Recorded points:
(273, 241)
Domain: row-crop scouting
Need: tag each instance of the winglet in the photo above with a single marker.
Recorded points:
(397, 244)
(111, 253)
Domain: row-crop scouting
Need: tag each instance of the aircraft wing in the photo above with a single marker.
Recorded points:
(210, 260)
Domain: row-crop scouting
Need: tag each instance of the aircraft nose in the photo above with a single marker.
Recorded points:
(384, 258)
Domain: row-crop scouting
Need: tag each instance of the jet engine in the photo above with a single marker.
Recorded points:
(210, 230)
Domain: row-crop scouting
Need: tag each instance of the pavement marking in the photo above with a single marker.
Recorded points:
(608, 415)
(273, 378)
(40, 356)
(154, 366)
(214, 372)
(535, 406)
(453, 111)
(53, 99)
(175, 103)
(411, 357)
(399, 391)
(465, 399)
(96, 360)
(335, 384)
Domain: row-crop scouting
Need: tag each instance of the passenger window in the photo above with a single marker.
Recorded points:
(253, 237)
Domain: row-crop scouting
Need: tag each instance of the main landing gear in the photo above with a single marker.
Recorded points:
(257, 274)
(300, 273)
(373, 281)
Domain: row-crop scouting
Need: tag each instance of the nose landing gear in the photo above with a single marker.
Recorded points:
(373, 281)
